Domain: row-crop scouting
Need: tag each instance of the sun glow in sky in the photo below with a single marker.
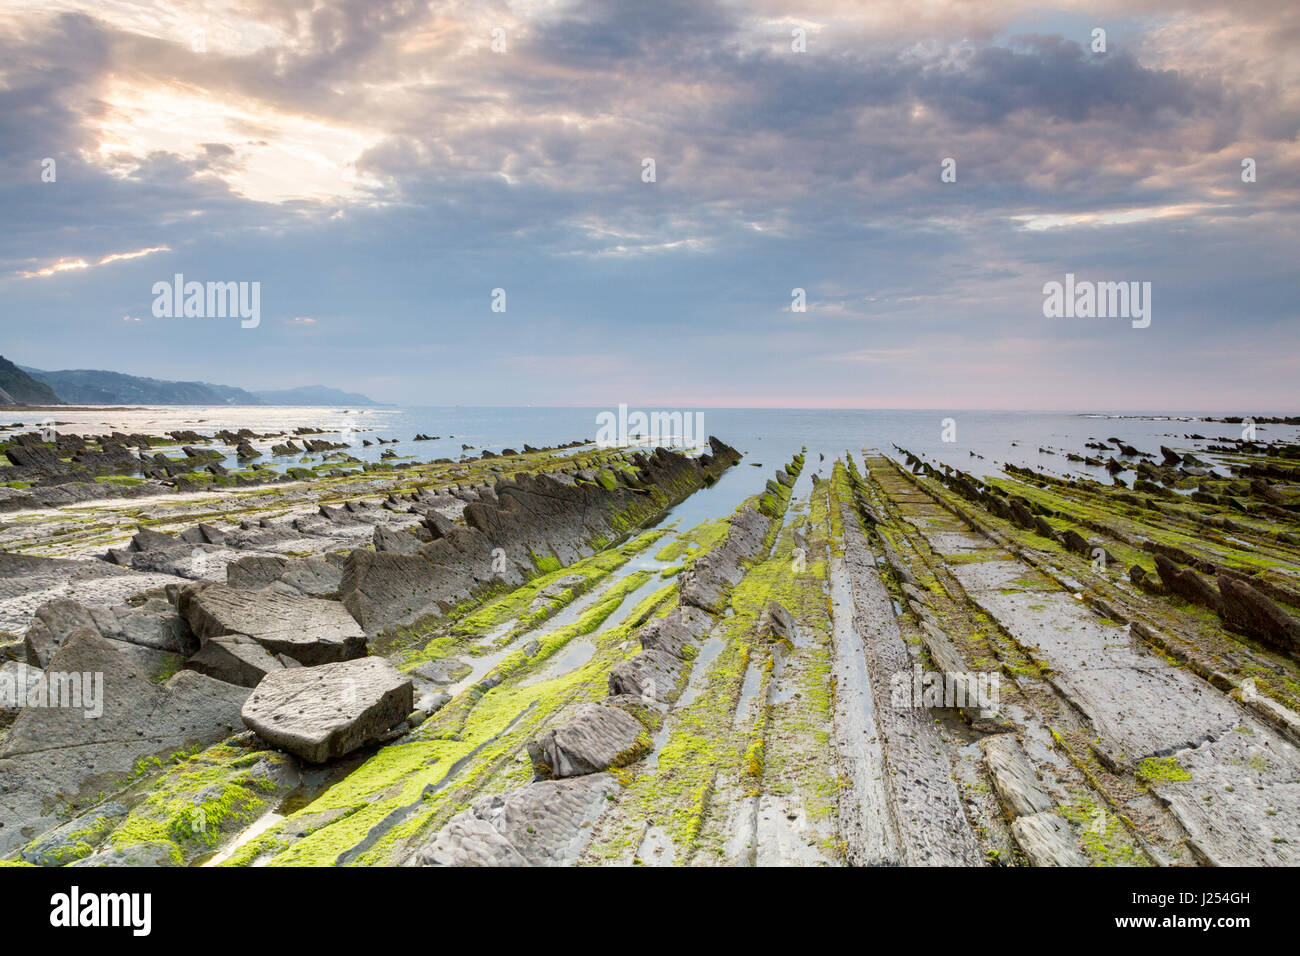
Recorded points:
(273, 156)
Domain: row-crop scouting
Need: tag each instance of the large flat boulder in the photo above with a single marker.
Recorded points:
(312, 631)
(320, 713)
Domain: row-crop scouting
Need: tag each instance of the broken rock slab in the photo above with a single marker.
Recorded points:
(309, 577)
(597, 737)
(321, 713)
(312, 631)
(399, 542)
(154, 624)
(52, 624)
(152, 627)
(255, 571)
(313, 577)
(1248, 611)
(235, 659)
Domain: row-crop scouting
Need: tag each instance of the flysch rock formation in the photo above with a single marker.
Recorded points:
(523, 660)
(272, 647)
(532, 517)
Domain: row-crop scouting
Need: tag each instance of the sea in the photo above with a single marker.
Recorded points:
(976, 441)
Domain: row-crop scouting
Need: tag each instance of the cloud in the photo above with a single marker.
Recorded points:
(376, 162)
(68, 265)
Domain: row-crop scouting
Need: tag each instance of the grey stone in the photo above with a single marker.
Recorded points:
(53, 622)
(444, 671)
(313, 577)
(597, 737)
(650, 675)
(52, 754)
(676, 631)
(321, 713)
(1047, 841)
(398, 542)
(255, 571)
(1247, 611)
(16, 680)
(1014, 779)
(546, 823)
(63, 845)
(235, 659)
(310, 630)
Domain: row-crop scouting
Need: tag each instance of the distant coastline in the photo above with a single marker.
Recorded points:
(22, 385)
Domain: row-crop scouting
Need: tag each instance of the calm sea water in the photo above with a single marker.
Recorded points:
(766, 436)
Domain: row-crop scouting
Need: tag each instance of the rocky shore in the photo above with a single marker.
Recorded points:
(523, 659)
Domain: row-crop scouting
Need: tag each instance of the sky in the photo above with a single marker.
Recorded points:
(380, 168)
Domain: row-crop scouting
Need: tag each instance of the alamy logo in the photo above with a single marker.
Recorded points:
(74, 909)
(917, 688)
(680, 429)
(211, 300)
(1098, 300)
(24, 686)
